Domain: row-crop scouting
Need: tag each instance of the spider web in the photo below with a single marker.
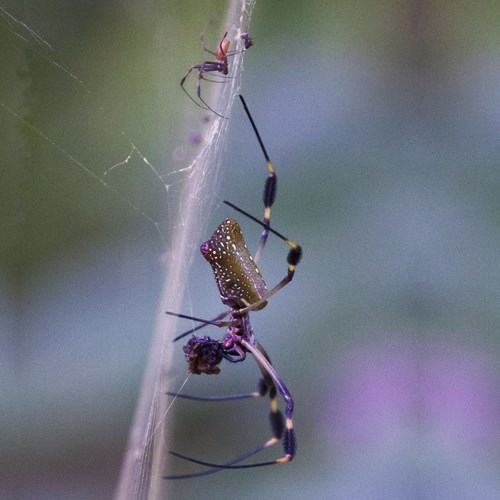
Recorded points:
(201, 183)
(184, 182)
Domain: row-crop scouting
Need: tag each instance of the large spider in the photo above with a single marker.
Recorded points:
(220, 65)
(243, 289)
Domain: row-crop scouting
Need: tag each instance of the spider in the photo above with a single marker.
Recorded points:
(219, 66)
(243, 289)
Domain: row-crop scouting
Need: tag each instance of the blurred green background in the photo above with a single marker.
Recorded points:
(383, 122)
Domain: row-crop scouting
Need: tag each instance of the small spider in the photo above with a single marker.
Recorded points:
(219, 66)
(243, 289)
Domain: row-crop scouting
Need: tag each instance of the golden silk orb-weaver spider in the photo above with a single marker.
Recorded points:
(243, 289)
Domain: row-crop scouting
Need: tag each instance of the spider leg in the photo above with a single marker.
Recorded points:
(270, 187)
(214, 470)
(188, 72)
(222, 79)
(214, 322)
(273, 382)
(256, 394)
(205, 67)
(293, 258)
(198, 92)
(198, 67)
(231, 53)
(204, 47)
(229, 397)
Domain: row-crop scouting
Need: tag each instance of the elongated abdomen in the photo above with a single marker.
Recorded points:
(236, 274)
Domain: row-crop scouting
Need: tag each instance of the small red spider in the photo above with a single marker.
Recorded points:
(220, 65)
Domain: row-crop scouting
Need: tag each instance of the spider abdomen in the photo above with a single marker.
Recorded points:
(238, 278)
